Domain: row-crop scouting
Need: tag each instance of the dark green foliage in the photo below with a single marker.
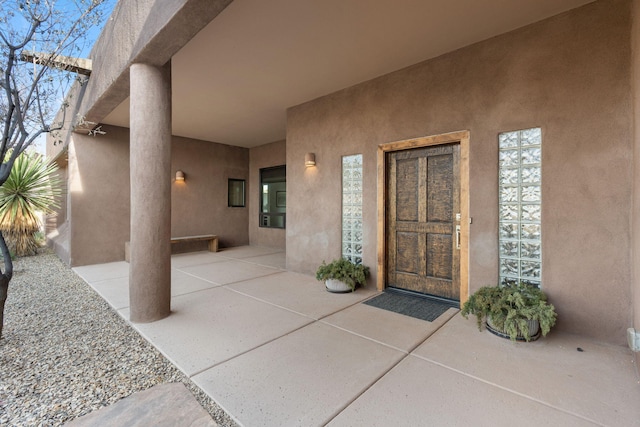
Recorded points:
(510, 307)
(344, 270)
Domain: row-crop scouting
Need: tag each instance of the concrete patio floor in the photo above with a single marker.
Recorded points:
(273, 348)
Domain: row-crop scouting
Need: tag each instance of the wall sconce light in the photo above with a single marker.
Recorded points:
(309, 159)
(179, 176)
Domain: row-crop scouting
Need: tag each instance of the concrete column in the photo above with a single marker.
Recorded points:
(150, 146)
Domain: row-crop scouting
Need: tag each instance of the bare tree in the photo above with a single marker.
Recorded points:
(39, 40)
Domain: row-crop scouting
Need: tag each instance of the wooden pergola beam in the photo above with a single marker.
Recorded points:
(68, 63)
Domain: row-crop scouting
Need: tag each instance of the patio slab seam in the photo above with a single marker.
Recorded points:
(235, 373)
(312, 321)
(230, 283)
(265, 265)
(103, 280)
(198, 277)
(252, 278)
(190, 376)
(244, 294)
(154, 345)
(252, 259)
(345, 308)
(317, 319)
(122, 312)
(199, 263)
(507, 389)
(342, 309)
(87, 277)
(240, 258)
(407, 352)
(366, 388)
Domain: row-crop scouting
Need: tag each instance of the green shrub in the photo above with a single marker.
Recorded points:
(509, 307)
(344, 270)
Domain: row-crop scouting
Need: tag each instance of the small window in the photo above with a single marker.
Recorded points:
(273, 197)
(236, 193)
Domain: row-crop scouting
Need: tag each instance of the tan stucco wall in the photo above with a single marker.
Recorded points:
(264, 156)
(99, 192)
(140, 31)
(569, 75)
(200, 205)
(635, 284)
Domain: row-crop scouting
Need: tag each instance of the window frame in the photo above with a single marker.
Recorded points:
(264, 218)
(230, 187)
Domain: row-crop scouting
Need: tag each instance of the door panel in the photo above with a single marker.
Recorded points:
(423, 197)
(439, 188)
(408, 259)
(408, 197)
(439, 256)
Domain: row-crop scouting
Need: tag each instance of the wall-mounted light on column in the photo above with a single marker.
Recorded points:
(309, 159)
(179, 176)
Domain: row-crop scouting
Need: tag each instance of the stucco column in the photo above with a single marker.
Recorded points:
(150, 146)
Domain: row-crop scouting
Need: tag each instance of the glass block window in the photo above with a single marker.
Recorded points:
(352, 208)
(520, 198)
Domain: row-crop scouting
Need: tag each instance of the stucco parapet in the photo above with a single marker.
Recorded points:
(140, 31)
(67, 117)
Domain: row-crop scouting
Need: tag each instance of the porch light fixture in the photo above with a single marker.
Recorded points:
(179, 176)
(309, 159)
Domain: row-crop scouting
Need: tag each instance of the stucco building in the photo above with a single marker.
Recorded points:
(456, 144)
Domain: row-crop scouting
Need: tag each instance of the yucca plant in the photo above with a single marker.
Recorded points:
(33, 186)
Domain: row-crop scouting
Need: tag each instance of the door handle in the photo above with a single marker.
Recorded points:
(458, 237)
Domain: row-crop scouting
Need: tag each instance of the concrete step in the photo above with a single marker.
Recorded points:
(162, 405)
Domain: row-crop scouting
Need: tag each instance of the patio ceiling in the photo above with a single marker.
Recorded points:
(233, 82)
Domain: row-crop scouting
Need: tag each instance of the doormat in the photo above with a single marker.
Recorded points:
(418, 306)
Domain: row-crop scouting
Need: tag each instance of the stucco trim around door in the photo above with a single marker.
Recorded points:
(461, 137)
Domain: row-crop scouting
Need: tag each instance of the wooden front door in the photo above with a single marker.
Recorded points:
(423, 220)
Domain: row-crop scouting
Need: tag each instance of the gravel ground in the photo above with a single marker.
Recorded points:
(65, 352)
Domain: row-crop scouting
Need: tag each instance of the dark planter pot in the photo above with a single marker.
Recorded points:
(534, 330)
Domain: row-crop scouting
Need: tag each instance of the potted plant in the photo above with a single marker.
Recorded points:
(341, 275)
(517, 310)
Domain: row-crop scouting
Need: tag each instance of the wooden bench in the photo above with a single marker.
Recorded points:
(211, 238)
